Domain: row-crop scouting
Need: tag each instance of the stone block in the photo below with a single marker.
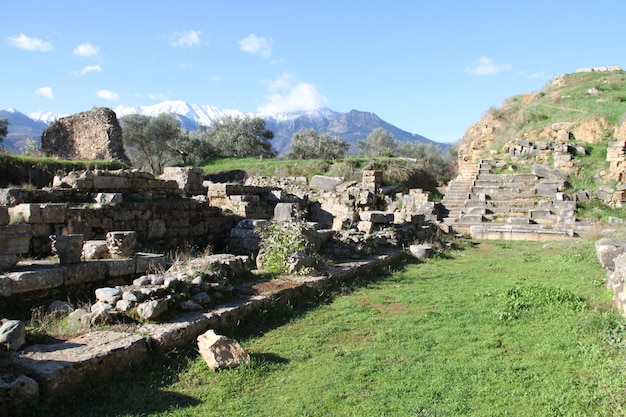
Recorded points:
(539, 214)
(325, 183)
(365, 226)
(110, 182)
(36, 279)
(15, 239)
(285, 212)
(546, 189)
(376, 217)
(8, 261)
(4, 215)
(80, 273)
(39, 213)
(73, 363)
(245, 198)
(149, 262)
(6, 286)
(120, 267)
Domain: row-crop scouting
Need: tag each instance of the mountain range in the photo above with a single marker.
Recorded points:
(351, 126)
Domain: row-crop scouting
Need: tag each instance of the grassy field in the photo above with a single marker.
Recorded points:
(489, 329)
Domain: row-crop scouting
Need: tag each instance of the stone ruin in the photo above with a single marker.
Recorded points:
(356, 224)
(91, 135)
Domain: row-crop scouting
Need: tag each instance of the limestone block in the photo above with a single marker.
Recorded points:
(421, 252)
(539, 214)
(39, 213)
(108, 198)
(36, 279)
(470, 218)
(110, 182)
(607, 250)
(150, 310)
(545, 189)
(376, 217)
(245, 198)
(365, 226)
(4, 215)
(285, 212)
(95, 249)
(326, 183)
(84, 272)
(7, 262)
(18, 391)
(146, 262)
(543, 171)
(6, 286)
(73, 363)
(15, 239)
(120, 267)
(12, 333)
(221, 352)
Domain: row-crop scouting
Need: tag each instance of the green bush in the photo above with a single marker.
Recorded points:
(279, 240)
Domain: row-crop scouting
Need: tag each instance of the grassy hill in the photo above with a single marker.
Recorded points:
(592, 104)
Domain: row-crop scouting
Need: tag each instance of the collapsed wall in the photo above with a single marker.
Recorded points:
(91, 135)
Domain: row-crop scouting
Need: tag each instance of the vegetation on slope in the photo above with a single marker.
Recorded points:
(573, 98)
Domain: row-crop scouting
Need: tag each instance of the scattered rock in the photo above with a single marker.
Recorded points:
(12, 334)
(150, 310)
(109, 295)
(221, 352)
(421, 252)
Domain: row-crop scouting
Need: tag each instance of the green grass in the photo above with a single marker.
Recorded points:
(495, 329)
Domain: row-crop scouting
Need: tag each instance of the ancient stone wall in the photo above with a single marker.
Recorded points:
(91, 135)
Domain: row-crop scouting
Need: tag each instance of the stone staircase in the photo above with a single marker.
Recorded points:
(506, 202)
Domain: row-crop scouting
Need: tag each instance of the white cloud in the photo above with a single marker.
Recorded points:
(185, 38)
(486, 66)
(286, 94)
(45, 92)
(256, 45)
(88, 68)
(108, 95)
(30, 44)
(87, 49)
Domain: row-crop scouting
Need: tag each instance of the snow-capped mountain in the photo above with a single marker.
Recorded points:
(192, 114)
(351, 126)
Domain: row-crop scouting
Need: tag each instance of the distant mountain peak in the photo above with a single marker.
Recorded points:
(352, 126)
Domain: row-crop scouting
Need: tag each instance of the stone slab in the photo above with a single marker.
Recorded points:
(70, 364)
(83, 272)
(36, 279)
(518, 232)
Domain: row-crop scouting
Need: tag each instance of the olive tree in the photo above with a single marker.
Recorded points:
(242, 136)
(308, 144)
(4, 129)
(148, 140)
(379, 142)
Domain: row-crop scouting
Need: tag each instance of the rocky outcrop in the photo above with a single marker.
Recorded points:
(91, 135)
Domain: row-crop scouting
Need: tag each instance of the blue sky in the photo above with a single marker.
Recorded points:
(431, 68)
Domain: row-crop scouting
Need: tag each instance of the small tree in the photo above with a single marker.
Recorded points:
(4, 129)
(379, 142)
(241, 137)
(308, 144)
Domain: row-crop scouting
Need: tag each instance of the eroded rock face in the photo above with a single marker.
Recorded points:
(95, 134)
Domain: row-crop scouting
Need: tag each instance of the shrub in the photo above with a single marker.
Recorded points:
(279, 241)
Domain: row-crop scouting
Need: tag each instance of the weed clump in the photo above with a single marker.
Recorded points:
(536, 299)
